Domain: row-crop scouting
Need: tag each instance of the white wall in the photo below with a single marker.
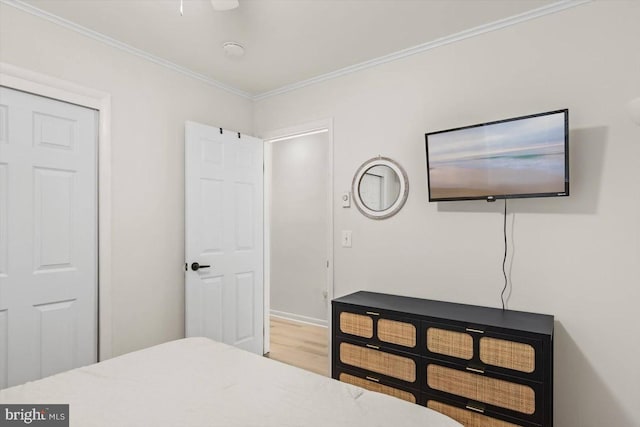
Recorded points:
(577, 257)
(299, 224)
(149, 107)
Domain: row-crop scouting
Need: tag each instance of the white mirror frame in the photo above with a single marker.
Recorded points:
(402, 196)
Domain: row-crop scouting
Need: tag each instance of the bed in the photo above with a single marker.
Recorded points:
(200, 382)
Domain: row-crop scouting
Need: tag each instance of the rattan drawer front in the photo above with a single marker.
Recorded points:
(450, 343)
(356, 324)
(508, 354)
(394, 332)
(505, 394)
(377, 387)
(378, 361)
(467, 418)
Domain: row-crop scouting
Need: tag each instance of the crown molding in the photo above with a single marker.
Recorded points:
(472, 32)
(26, 7)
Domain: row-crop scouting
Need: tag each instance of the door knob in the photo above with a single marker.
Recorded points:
(195, 266)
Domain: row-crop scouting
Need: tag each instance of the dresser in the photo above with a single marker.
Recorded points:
(483, 367)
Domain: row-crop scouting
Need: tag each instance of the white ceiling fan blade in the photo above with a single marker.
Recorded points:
(222, 5)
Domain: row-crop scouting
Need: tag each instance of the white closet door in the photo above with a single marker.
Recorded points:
(224, 235)
(48, 237)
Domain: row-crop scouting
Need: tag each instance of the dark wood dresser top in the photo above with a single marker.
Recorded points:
(494, 317)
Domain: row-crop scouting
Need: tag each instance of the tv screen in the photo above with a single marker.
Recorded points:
(520, 157)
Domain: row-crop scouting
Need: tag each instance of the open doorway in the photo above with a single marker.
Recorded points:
(298, 246)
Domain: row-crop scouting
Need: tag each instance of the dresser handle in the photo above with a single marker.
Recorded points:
(476, 370)
(373, 313)
(373, 346)
(377, 380)
(478, 331)
(473, 408)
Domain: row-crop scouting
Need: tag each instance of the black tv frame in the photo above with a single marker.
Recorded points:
(494, 197)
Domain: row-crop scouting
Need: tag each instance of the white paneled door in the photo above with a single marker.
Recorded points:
(224, 236)
(48, 237)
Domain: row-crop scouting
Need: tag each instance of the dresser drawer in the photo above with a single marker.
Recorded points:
(377, 384)
(395, 366)
(356, 324)
(514, 396)
(469, 417)
(447, 340)
(398, 332)
(377, 327)
(487, 350)
(508, 354)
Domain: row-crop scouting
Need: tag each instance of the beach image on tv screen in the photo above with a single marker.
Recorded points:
(523, 156)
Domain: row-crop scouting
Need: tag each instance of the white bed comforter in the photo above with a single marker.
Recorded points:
(199, 382)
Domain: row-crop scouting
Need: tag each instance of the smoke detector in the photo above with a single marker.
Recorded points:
(222, 5)
(233, 49)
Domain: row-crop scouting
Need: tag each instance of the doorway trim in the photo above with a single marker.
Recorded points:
(25, 80)
(269, 138)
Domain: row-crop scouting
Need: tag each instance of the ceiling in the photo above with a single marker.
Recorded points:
(286, 41)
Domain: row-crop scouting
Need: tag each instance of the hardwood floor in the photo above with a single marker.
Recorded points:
(300, 344)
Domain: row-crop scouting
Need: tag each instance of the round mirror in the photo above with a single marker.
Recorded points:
(380, 188)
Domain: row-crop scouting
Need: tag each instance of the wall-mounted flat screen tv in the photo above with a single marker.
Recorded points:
(520, 157)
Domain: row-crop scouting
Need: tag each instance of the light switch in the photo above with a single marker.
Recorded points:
(346, 238)
(346, 200)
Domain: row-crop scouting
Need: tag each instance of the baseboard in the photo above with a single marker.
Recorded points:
(299, 318)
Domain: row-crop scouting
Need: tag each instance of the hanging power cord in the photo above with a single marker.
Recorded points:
(504, 259)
